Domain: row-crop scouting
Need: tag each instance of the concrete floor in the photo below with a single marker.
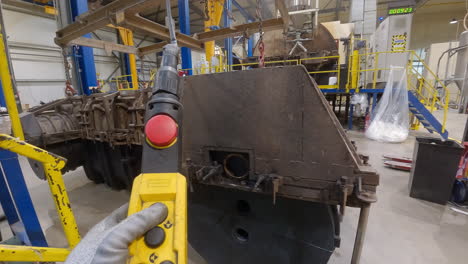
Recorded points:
(401, 229)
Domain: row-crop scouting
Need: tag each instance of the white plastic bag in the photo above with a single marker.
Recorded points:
(360, 103)
(390, 118)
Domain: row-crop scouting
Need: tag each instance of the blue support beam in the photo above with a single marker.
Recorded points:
(184, 25)
(243, 12)
(127, 69)
(2, 97)
(84, 55)
(374, 102)
(227, 23)
(352, 91)
(350, 117)
(250, 47)
(16, 202)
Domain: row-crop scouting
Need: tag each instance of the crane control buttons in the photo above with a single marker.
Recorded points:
(167, 242)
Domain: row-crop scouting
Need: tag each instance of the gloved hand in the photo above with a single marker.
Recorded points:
(108, 241)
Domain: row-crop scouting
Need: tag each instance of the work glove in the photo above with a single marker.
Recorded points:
(108, 241)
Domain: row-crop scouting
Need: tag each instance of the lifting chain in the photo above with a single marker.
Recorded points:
(206, 10)
(245, 38)
(69, 90)
(66, 63)
(261, 44)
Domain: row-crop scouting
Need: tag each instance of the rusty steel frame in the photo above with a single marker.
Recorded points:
(126, 13)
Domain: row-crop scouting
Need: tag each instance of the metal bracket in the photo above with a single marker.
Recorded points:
(276, 181)
(207, 172)
(346, 188)
(364, 196)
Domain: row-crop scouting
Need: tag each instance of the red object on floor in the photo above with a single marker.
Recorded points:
(399, 159)
(366, 122)
(398, 165)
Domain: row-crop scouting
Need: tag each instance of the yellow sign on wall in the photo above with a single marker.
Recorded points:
(399, 42)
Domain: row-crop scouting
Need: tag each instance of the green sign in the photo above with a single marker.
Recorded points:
(400, 11)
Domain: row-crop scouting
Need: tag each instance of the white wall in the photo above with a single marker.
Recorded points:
(433, 27)
(446, 68)
(339, 31)
(433, 54)
(37, 61)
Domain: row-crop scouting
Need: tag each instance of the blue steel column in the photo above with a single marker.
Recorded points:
(85, 55)
(15, 199)
(227, 23)
(184, 25)
(2, 98)
(12, 181)
(250, 46)
(127, 69)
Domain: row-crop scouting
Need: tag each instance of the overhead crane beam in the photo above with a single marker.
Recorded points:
(249, 28)
(126, 13)
(91, 21)
(123, 13)
(105, 45)
(139, 23)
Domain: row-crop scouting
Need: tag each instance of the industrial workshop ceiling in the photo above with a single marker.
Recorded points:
(330, 10)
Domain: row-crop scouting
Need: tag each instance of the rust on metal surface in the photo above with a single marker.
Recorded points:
(138, 23)
(249, 28)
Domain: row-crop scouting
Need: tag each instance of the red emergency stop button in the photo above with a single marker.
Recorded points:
(161, 131)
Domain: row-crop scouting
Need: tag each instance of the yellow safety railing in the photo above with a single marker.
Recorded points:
(52, 168)
(205, 69)
(337, 71)
(120, 83)
(124, 82)
(152, 78)
(8, 92)
(243, 66)
(355, 70)
(425, 90)
(248, 65)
